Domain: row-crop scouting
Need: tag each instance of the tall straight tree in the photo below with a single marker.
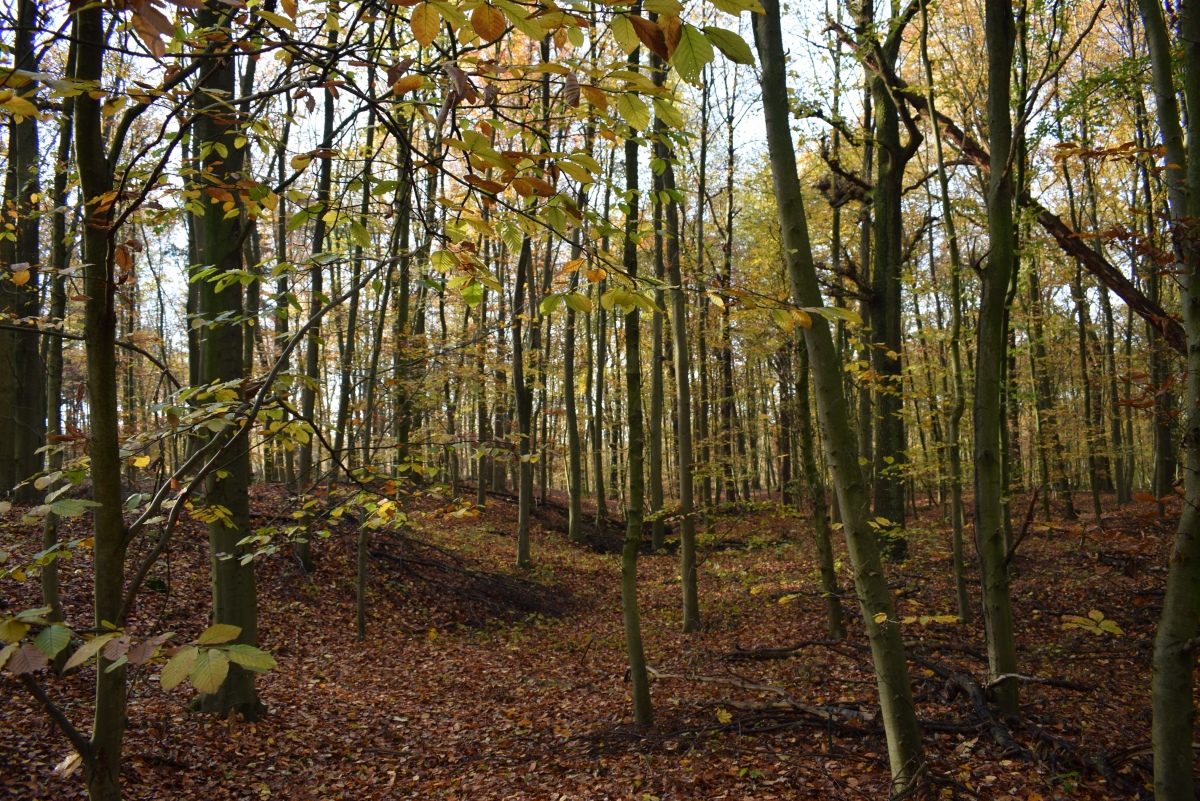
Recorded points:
(639, 679)
(905, 754)
(991, 342)
(235, 597)
(1172, 688)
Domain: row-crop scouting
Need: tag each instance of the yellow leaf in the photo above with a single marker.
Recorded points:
(880, 617)
(141, 461)
(724, 715)
(20, 277)
(425, 21)
(409, 83)
(300, 161)
(20, 106)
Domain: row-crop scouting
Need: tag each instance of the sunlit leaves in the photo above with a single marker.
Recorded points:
(489, 22)
(731, 44)
(692, 54)
(634, 111)
(425, 22)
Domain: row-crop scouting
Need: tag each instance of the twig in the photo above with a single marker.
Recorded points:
(81, 744)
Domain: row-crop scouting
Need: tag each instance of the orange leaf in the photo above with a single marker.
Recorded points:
(488, 22)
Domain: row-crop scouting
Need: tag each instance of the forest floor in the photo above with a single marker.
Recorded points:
(484, 683)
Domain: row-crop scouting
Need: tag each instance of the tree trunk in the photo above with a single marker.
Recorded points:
(895, 690)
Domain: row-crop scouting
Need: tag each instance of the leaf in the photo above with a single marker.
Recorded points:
(27, 659)
(19, 106)
(89, 649)
(143, 651)
(6, 652)
(71, 507)
(489, 22)
(251, 658)
(1144, 497)
(835, 313)
(624, 33)
(880, 617)
(300, 161)
(724, 715)
(69, 764)
(672, 7)
(650, 35)
(52, 639)
(178, 667)
(209, 671)
(359, 234)
(219, 633)
(579, 302)
(736, 7)
(672, 28)
(277, 20)
(692, 54)
(731, 44)
(665, 110)
(409, 83)
(1096, 615)
(425, 21)
(20, 277)
(12, 630)
(549, 304)
(634, 110)
(140, 461)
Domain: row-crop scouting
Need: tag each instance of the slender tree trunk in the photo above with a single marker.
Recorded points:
(100, 327)
(990, 357)
(883, 630)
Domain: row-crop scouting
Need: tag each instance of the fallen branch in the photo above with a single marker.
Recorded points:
(979, 705)
(1067, 685)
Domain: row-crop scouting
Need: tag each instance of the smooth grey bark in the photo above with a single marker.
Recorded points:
(1172, 684)
(958, 400)
(903, 733)
(683, 405)
(990, 348)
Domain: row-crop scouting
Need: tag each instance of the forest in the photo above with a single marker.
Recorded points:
(587, 399)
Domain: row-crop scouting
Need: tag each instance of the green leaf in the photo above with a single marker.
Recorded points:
(218, 633)
(177, 668)
(623, 32)
(579, 302)
(89, 649)
(443, 261)
(472, 294)
(634, 110)
(209, 671)
(692, 53)
(6, 652)
(731, 44)
(663, 6)
(251, 658)
(359, 234)
(550, 303)
(736, 7)
(665, 110)
(835, 313)
(71, 507)
(52, 639)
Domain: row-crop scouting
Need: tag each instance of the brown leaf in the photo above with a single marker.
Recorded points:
(672, 29)
(650, 35)
(571, 90)
(27, 659)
